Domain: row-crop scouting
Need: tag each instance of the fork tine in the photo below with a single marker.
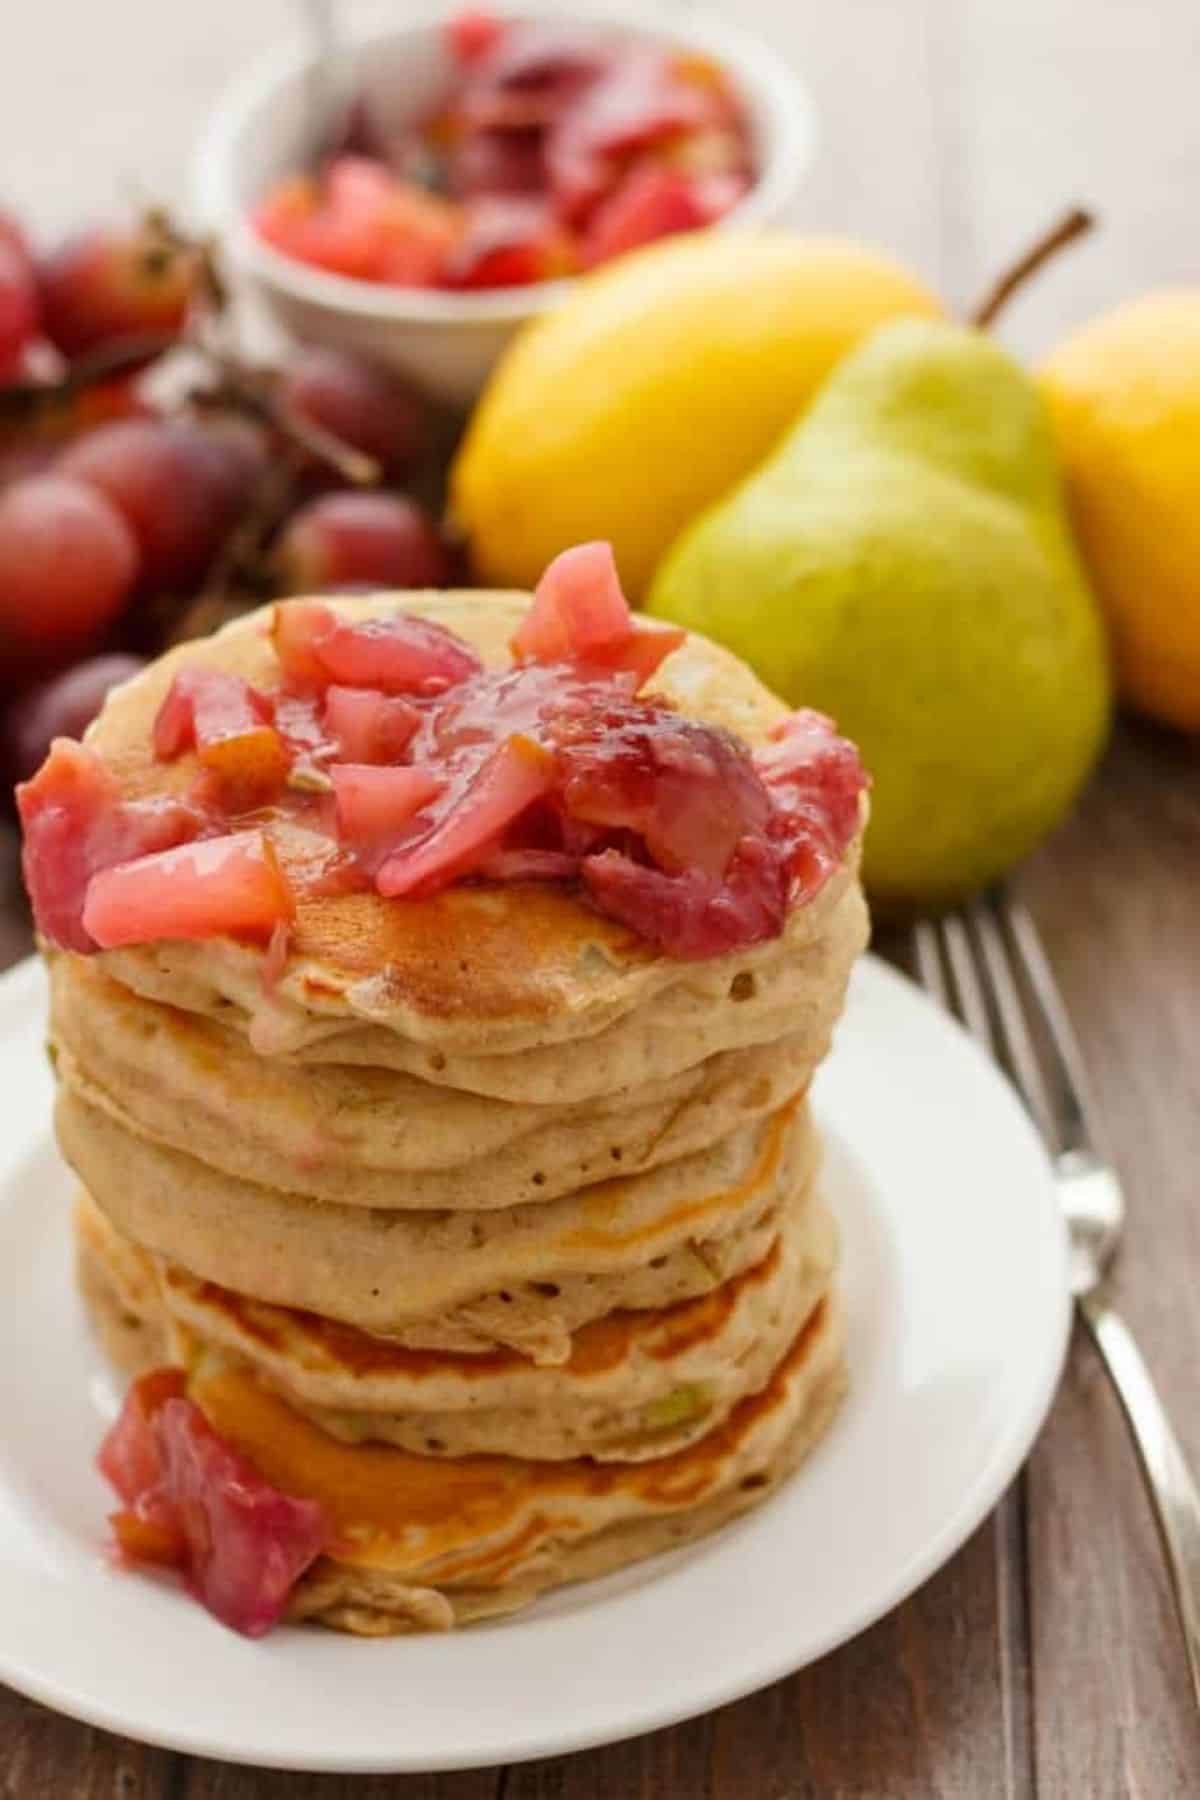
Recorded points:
(930, 972)
(972, 1002)
(1075, 1111)
(1020, 1056)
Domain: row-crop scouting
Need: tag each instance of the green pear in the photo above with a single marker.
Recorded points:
(903, 562)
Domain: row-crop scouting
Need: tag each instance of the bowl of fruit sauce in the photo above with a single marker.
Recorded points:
(485, 159)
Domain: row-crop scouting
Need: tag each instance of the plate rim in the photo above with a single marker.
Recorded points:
(1007, 1455)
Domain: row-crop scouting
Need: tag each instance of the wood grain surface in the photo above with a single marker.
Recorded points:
(1045, 1658)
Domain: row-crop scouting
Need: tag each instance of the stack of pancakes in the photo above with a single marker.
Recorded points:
(482, 1222)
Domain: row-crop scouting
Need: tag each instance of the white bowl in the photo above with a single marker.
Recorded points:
(448, 341)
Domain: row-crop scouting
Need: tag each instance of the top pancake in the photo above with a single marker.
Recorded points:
(484, 969)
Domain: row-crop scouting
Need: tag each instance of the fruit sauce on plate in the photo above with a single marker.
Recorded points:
(413, 767)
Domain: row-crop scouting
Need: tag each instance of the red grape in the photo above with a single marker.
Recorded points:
(67, 563)
(353, 539)
(18, 305)
(364, 404)
(179, 485)
(110, 283)
(64, 706)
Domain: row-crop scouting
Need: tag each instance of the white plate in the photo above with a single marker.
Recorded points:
(955, 1276)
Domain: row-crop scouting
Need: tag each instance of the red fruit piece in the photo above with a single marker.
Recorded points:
(352, 539)
(219, 887)
(195, 1503)
(373, 803)
(364, 404)
(178, 486)
(508, 241)
(247, 1543)
(361, 221)
(691, 915)
(651, 202)
(18, 307)
(816, 781)
(641, 100)
(472, 34)
(397, 655)
(645, 651)
(231, 727)
(112, 282)
(687, 790)
(466, 831)
(367, 726)
(129, 1457)
(75, 824)
(578, 609)
(67, 564)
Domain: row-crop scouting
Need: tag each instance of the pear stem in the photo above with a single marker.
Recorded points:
(1074, 224)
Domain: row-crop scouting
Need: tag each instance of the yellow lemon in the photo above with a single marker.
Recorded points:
(1124, 393)
(660, 382)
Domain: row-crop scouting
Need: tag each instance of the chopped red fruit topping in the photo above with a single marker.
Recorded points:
(374, 803)
(401, 654)
(218, 887)
(196, 1504)
(367, 726)
(643, 651)
(128, 1457)
(472, 33)
(578, 609)
(508, 240)
(231, 727)
(691, 915)
(688, 791)
(652, 202)
(816, 780)
(465, 831)
(76, 824)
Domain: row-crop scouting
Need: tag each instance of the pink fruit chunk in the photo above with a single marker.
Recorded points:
(195, 1503)
(518, 773)
(642, 100)
(219, 887)
(397, 655)
(651, 202)
(473, 33)
(230, 725)
(646, 649)
(367, 726)
(247, 1543)
(816, 781)
(373, 803)
(690, 915)
(578, 609)
(508, 240)
(76, 824)
(688, 791)
(128, 1458)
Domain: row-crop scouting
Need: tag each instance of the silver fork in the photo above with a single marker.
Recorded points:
(987, 965)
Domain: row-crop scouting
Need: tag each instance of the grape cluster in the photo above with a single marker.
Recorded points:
(120, 515)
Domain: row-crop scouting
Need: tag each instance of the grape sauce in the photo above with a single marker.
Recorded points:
(389, 759)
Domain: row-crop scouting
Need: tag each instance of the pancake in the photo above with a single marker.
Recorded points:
(523, 1276)
(375, 1138)
(794, 984)
(428, 1542)
(487, 971)
(636, 1384)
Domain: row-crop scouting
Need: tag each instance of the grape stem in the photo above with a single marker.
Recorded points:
(252, 390)
(1074, 224)
(24, 400)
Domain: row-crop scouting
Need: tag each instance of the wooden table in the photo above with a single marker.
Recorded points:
(1045, 1658)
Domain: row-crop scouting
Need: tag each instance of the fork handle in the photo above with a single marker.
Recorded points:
(1172, 1486)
